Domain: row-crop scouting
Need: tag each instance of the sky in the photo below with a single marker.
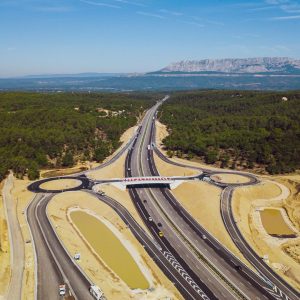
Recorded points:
(117, 36)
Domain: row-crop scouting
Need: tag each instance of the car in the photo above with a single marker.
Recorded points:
(161, 234)
(159, 224)
(96, 292)
(62, 289)
(204, 236)
(77, 256)
(150, 219)
(145, 201)
(238, 267)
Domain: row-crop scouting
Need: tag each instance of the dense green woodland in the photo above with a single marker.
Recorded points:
(235, 129)
(57, 129)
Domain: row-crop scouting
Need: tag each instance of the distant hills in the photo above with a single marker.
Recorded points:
(78, 75)
(257, 65)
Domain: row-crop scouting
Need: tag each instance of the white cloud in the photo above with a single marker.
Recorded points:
(131, 3)
(54, 9)
(285, 18)
(150, 15)
(170, 12)
(100, 4)
(193, 23)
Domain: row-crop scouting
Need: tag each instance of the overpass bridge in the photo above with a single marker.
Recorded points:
(122, 183)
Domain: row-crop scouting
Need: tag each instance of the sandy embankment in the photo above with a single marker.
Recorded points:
(110, 283)
(202, 201)
(246, 201)
(166, 169)
(4, 249)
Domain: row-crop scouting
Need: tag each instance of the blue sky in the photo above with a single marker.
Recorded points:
(72, 36)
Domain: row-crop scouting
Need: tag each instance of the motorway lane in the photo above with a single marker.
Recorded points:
(55, 266)
(72, 274)
(191, 262)
(48, 275)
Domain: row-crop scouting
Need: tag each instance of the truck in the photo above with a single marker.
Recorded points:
(96, 292)
(62, 289)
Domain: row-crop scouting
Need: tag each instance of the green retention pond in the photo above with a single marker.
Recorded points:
(275, 224)
(111, 250)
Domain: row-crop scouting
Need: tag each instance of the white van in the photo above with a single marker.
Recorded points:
(96, 292)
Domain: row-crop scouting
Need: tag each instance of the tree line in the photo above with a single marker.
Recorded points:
(235, 129)
(45, 130)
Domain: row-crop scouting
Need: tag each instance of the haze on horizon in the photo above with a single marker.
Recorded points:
(74, 36)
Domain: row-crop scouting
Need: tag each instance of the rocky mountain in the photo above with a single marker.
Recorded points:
(233, 65)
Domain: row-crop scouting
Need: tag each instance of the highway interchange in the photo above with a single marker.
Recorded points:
(197, 263)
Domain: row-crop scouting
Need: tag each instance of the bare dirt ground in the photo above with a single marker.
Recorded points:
(124, 198)
(60, 184)
(281, 252)
(63, 172)
(165, 169)
(114, 170)
(4, 249)
(96, 269)
(230, 178)
(202, 201)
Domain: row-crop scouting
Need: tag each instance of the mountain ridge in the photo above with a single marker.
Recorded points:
(253, 65)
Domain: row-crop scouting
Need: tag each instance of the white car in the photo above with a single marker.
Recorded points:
(62, 290)
(96, 292)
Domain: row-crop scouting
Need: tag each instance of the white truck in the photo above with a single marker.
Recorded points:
(96, 292)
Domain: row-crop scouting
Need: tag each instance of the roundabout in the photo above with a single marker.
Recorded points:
(60, 184)
(231, 178)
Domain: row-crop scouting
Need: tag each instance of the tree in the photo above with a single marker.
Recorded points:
(170, 153)
(101, 152)
(211, 157)
(33, 172)
(68, 160)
